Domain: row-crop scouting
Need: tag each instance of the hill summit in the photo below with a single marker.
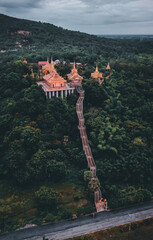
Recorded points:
(45, 38)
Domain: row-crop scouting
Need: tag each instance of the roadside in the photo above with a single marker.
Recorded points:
(83, 225)
(140, 230)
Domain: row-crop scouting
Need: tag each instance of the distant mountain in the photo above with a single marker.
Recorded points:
(127, 36)
(21, 38)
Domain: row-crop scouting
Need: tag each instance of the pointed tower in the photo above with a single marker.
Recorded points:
(74, 76)
(108, 67)
(51, 67)
(97, 68)
(96, 74)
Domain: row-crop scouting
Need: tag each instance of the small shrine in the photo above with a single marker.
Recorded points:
(74, 76)
(108, 67)
(53, 84)
(97, 74)
(25, 61)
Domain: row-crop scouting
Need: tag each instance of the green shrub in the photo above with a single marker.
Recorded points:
(46, 197)
(65, 213)
(50, 218)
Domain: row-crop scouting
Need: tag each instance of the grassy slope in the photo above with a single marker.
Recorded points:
(23, 207)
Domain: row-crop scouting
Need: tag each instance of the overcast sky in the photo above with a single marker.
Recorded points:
(91, 16)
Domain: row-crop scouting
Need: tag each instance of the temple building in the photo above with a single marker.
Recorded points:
(74, 76)
(97, 74)
(54, 85)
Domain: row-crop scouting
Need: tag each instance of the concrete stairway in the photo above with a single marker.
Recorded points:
(100, 206)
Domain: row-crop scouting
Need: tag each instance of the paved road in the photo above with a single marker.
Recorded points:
(82, 225)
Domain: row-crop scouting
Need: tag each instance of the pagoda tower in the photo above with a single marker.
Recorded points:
(51, 66)
(74, 76)
(97, 74)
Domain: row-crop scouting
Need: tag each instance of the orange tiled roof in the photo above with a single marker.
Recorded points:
(53, 79)
(41, 63)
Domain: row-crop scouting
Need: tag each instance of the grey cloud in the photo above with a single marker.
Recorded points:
(93, 16)
(19, 4)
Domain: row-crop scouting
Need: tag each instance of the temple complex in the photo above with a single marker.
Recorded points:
(74, 76)
(97, 74)
(56, 86)
(53, 84)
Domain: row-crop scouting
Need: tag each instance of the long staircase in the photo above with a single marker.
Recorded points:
(100, 206)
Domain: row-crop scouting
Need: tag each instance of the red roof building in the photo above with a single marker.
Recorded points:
(42, 63)
(22, 32)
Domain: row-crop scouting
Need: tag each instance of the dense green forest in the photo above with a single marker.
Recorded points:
(41, 175)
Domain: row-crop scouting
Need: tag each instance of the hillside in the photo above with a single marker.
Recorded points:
(41, 175)
(46, 39)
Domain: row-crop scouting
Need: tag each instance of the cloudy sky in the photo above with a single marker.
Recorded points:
(91, 16)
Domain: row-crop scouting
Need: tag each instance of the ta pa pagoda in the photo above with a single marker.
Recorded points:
(97, 74)
(53, 84)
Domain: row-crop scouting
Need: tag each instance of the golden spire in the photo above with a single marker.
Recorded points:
(74, 65)
(52, 62)
(74, 70)
(96, 74)
(108, 67)
(51, 67)
(97, 67)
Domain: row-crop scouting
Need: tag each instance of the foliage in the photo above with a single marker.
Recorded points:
(46, 197)
(94, 184)
(128, 195)
(65, 213)
(87, 175)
